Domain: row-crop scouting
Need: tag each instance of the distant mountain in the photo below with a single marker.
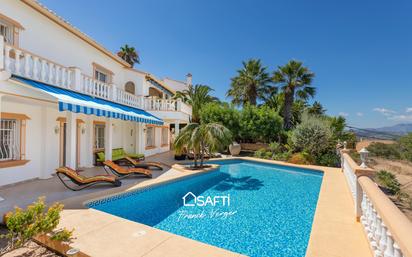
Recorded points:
(399, 129)
(390, 132)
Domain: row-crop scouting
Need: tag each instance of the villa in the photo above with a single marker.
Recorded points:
(65, 100)
(65, 97)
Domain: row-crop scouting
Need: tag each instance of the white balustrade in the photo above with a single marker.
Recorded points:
(94, 87)
(350, 176)
(387, 229)
(380, 238)
(24, 63)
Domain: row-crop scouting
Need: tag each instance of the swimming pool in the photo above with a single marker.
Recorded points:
(252, 208)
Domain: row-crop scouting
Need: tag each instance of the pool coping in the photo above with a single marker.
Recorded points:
(325, 240)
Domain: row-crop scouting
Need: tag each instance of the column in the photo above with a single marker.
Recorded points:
(108, 139)
(45, 149)
(89, 141)
(1, 96)
(139, 146)
(177, 129)
(71, 130)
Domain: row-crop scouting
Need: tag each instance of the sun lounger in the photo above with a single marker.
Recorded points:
(124, 172)
(144, 165)
(83, 182)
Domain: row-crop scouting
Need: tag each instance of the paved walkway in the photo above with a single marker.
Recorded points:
(24, 193)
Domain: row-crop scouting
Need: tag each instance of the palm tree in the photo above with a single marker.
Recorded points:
(316, 109)
(251, 83)
(295, 80)
(129, 54)
(196, 96)
(199, 137)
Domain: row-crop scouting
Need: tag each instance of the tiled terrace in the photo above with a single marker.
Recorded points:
(335, 231)
(24, 193)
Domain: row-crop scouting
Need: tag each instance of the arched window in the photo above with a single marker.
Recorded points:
(130, 88)
(154, 92)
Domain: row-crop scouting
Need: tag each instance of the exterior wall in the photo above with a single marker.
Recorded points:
(43, 143)
(62, 47)
(158, 142)
(176, 85)
(47, 39)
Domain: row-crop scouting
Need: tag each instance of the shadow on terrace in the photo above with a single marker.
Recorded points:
(24, 193)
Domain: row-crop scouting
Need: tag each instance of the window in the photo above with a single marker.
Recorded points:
(150, 137)
(9, 140)
(100, 76)
(12, 139)
(7, 32)
(165, 136)
(129, 87)
(101, 73)
(99, 136)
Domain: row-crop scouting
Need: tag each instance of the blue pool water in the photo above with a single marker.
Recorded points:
(270, 213)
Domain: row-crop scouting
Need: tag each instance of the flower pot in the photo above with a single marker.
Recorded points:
(234, 149)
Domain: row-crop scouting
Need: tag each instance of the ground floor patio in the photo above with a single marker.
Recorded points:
(335, 231)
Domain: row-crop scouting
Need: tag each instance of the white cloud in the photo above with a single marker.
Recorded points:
(384, 111)
(360, 114)
(344, 114)
(409, 109)
(403, 118)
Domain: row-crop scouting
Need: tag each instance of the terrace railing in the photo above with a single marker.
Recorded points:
(387, 229)
(26, 64)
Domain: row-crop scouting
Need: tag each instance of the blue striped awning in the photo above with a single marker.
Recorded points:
(80, 103)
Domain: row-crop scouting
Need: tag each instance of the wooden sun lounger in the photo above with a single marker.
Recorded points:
(123, 172)
(83, 182)
(144, 165)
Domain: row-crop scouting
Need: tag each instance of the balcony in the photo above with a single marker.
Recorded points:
(26, 64)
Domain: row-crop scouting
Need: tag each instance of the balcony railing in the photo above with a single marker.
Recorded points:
(26, 64)
(387, 229)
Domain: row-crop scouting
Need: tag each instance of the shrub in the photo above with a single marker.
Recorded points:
(388, 181)
(284, 156)
(224, 114)
(313, 136)
(387, 151)
(259, 124)
(301, 158)
(329, 159)
(405, 147)
(260, 153)
(23, 225)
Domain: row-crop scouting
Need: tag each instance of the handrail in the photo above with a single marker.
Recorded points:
(397, 223)
(388, 230)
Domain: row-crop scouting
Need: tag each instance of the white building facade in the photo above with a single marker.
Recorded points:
(64, 97)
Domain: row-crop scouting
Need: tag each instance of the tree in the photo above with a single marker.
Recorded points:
(129, 54)
(201, 137)
(251, 83)
(316, 109)
(295, 81)
(196, 96)
(259, 124)
(224, 114)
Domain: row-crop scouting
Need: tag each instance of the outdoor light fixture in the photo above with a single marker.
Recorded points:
(72, 251)
(364, 157)
(56, 129)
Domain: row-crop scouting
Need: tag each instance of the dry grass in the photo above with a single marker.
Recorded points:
(403, 172)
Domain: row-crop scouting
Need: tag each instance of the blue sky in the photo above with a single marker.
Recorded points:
(361, 51)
